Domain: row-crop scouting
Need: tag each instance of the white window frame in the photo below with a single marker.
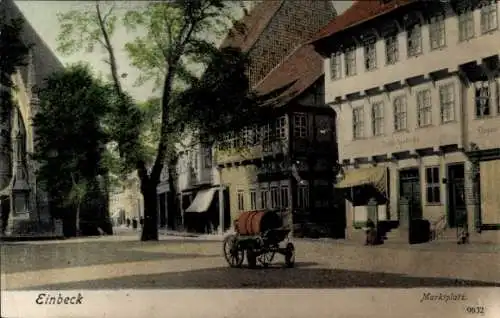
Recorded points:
(281, 127)
(482, 99)
(240, 195)
(264, 198)
(391, 49)
(447, 102)
(424, 108)
(414, 40)
(253, 199)
(350, 62)
(432, 183)
(300, 125)
(284, 196)
(303, 196)
(275, 197)
(358, 123)
(437, 32)
(370, 51)
(466, 29)
(207, 157)
(335, 66)
(378, 119)
(489, 17)
(400, 113)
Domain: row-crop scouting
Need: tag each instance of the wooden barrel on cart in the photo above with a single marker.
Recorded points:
(256, 222)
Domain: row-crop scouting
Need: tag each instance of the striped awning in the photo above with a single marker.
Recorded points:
(374, 176)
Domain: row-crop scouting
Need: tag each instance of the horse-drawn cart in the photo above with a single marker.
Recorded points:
(258, 235)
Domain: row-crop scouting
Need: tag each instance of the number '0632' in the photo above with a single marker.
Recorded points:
(478, 310)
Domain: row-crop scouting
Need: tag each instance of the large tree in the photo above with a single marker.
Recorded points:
(74, 106)
(177, 36)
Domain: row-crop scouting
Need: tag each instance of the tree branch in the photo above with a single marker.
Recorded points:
(109, 48)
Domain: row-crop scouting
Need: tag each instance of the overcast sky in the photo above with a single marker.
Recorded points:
(42, 16)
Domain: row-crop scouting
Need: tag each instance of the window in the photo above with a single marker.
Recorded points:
(378, 119)
(350, 62)
(414, 40)
(253, 200)
(275, 197)
(335, 69)
(300, 125)
(264, 198)
(466, 25)
(302, 196)
(482, 99)
(437, 36)
(266, 134)
(433, 193)
(370, 56)
(447, 103)
(241, 200)
(357, 122)
(391, 49)
(281, 127)
(489, 17)
(400, 113)
(252, 136)
(424, 108)
(207, 156)
(284, 196)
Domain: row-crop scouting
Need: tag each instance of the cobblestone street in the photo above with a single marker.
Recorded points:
(175, 262)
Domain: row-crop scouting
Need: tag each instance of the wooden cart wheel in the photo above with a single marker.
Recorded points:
(266, 258)
(233, 254)
(290, 255)
(251, 258)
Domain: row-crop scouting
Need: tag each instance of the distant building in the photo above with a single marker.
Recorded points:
(127, 202)
(416, 91)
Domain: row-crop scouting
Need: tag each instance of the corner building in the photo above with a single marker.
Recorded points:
(416, 91)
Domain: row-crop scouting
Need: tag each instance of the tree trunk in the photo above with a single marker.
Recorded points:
(150, 227)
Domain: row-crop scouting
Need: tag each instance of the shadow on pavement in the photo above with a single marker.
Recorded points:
(40, 257)
(277, 277)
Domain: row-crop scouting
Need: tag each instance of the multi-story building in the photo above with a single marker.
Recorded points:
(285, 164)
(415, 88)
(23, 205)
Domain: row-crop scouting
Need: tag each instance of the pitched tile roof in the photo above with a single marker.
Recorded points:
(359, 12)
(299, 70)
(254, 23)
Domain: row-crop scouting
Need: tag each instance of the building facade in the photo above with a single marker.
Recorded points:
(280, 165)
(23, 204)
(416, 91)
